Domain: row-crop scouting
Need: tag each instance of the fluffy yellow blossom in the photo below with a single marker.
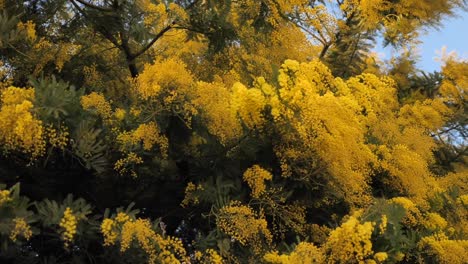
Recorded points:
(19, 129)
(413, 215)
(351, 242)
(249, 104)
(443, 250)
(120, 114)
(158, 249)
(434, 221)
(29, 28)
(215, 104)
(463, 199)
(135, 111)
(304, 253)
(108, 231)
(21, 228)
(242, 224)
(255, 178)
(4, 197)
(148, 135)
(212, 257)
(57, 138)
(169, 79)
(190, 196)
(383, 224)
(122, 217)
(380, 256)
(126, 164)
(97, 102)
(68, 223)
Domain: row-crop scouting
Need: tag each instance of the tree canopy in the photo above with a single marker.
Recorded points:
(229, 131)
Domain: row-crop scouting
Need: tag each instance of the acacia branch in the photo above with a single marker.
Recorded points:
(158, 36)
(161, 33)
(87, 4)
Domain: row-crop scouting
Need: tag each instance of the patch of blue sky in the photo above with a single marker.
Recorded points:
(452, 34)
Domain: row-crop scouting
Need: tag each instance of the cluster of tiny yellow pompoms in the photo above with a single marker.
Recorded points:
(162, 78)
(381, 256)
(190, 197)
(97, 102)
(120, 114)
(69, 223)
(433, 221)
(29, 28)
(444, 250)
(304, 253)
(57, 138)
(108, 231)
(351, 242)
(5, 197)
(412, 216)
(125, 165)
(249, 104)
(255, 177)
(19, 129)
(126, 230)
(21, 228)
(146, 134)
(215, 105)
(383, 224)
(242, 224)
(210, 257)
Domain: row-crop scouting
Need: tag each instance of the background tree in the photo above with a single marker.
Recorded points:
(244, 131)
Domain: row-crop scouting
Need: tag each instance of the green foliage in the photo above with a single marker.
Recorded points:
(88, 146)
(164, 105)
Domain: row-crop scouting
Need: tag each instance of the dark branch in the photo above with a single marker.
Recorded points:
(100, 8)
(158, 36)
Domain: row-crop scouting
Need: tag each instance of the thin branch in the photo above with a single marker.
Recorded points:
(100, 8)
(158, 36)
(161, 33)
(102, 30)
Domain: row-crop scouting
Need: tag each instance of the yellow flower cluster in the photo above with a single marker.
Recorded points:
(69, 223)
(159, 250)
(96, 101)
(350, 243)
(434, 222)
(5, 197)
(146, 134)
(210, 257)
(109, 232)
(57, 139)
(168, 78)
(122, 217)
(242, 224)
(215, 105)
(443, 250)
(463, 200)
(413, 216)
(110, 228)
(381, 256)
(21, 228)
(29, 28)
(126, 164)
(120, 114)
(190, 197)
(19, 129)
(304, 253)
(249, 104)
(383, 224)
(255, 177)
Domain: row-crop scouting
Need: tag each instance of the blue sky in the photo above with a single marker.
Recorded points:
(453, 33)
